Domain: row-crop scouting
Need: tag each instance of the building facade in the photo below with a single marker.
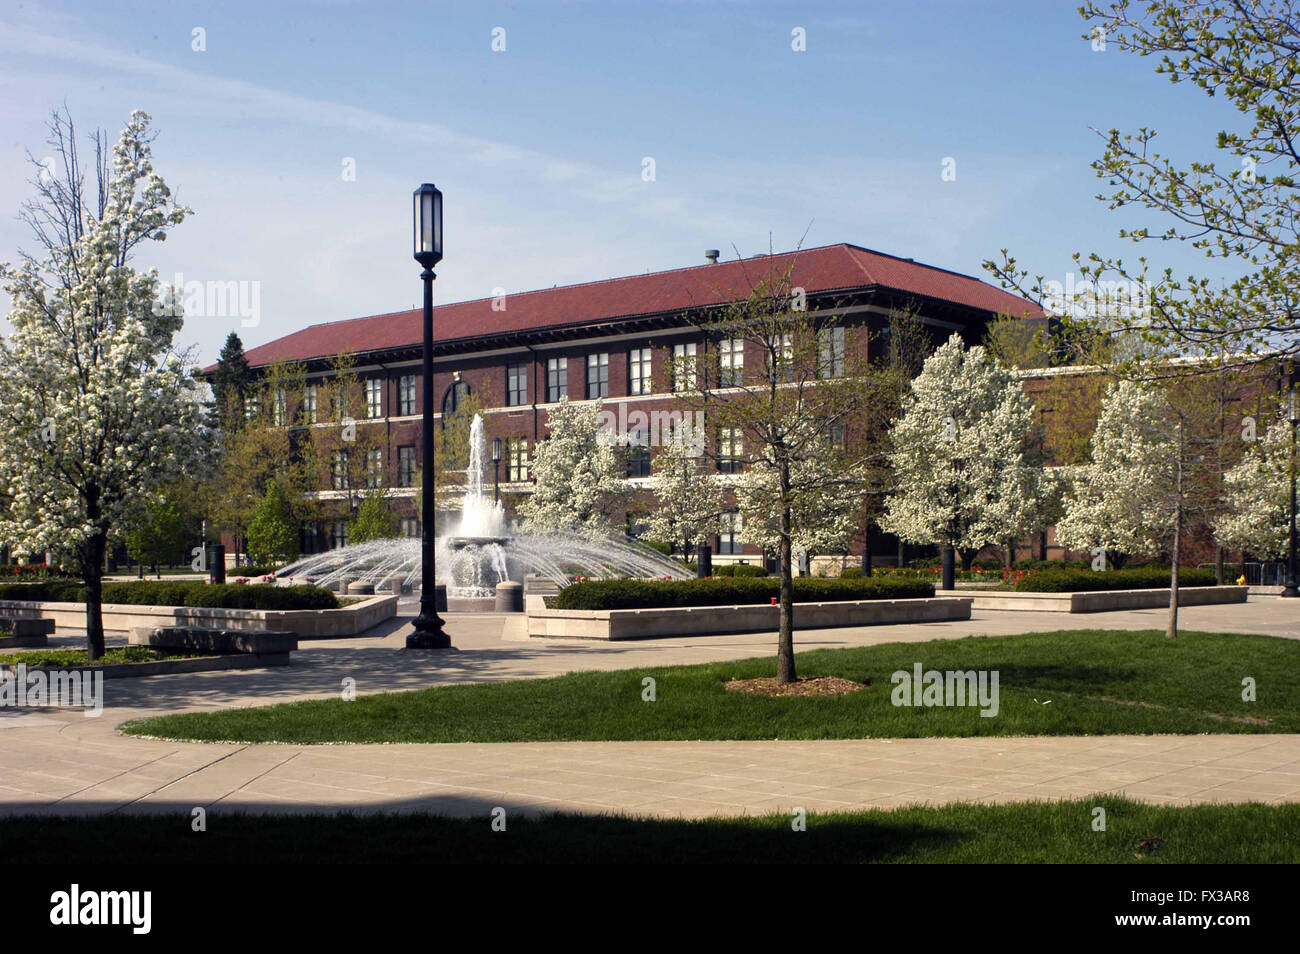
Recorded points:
(610, 341)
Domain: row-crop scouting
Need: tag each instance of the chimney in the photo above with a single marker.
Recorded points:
(711, 254)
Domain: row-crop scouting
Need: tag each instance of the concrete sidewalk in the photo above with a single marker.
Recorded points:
(54, 760)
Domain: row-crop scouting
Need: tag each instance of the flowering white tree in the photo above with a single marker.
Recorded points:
(960, 450)
(1257, 497)
(823, 517)
(1120, 502)
(97, 412)
(688, 499)
(581, 475)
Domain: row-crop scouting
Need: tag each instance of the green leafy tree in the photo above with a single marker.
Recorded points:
(1241, 208)
(374, 520)
(273, 533)
(159, 537)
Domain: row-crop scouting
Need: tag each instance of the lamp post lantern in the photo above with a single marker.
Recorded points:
(1294, 414)
(427, 221)
(496, 469)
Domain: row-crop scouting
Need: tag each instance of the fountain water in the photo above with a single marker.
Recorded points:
(484, 551)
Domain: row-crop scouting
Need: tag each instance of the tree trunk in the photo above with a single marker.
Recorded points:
(785, 671)
(967, 558)
(1172, 630)
(1219, 569)
(93, 571)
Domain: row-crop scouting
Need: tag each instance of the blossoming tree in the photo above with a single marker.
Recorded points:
(961, 448)
(581, 476)
(97, 410)
(1257, 497)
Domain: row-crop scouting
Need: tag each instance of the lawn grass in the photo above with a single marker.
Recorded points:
(1077, 682)
(69, 658)
(1029, 832)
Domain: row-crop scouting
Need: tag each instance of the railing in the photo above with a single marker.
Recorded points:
(1272, 573)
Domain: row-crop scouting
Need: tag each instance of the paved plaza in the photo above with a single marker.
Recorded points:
(54, 760)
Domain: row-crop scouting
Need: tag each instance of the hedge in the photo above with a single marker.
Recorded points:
(162, 593)
(641, 594)
(1139, 578)
(739, 570)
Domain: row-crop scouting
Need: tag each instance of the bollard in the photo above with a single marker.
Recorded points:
(510, 597)
(703, 561)
(217, 563)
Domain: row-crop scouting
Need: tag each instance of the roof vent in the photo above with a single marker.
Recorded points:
(711, 255)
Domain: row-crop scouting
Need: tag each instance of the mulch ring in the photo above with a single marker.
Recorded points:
(805, 686)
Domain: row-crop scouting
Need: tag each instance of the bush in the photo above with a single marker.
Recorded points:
(152, 593)
(739, 570)
(640, 594)
(1140, 578)
(254, 570)
(1029, 564)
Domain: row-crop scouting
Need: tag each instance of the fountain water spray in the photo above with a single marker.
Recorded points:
(483, 551)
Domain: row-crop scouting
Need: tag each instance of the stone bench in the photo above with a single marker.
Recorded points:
(25, 632)
(218, 642)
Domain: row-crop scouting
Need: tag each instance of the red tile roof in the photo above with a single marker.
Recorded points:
(817, 270)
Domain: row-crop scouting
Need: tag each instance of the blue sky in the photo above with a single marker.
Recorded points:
(539, 149)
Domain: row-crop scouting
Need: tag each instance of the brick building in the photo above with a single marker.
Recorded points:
(609, 341)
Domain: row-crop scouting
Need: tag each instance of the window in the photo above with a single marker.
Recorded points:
(684, 366)
(730, 451)
(729, 535)
(339, 470)
(638, 371)
(557, 378)
(731, 362)
(597, 376)
(517, 459)
(837, 434)
(406, 395)
(309, 395)
(339, 401)
(374, 469)
(410, 527)
(780, 359)
(406, 465)
(830, 352)
(308, 537)
(338, 534)
(516, 384)
(453, 398)
(279, 407)
(638, 454)
(252, 407)
(374, 397)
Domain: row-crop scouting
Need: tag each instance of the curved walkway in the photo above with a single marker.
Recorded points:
(59, 761)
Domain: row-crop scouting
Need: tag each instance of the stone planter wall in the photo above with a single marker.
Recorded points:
(1100, 601)
(121, 619)
(716, 620)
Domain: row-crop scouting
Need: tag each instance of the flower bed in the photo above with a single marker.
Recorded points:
(643, 594)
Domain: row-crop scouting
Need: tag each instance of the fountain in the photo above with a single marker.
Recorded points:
(483, 552)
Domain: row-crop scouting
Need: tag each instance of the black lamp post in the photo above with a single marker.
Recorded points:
(496, 469)
(428, 632)
(1291, 589)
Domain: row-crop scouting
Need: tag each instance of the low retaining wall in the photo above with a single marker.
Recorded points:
(718, 620)
(122, 618)
(1100, 601)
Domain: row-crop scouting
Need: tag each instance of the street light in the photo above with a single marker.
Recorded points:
(427, 222)
(1291, 589)
(496, 469)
